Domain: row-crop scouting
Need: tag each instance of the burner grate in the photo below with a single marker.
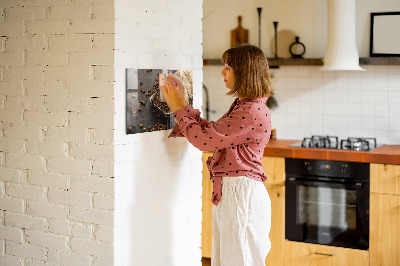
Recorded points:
(358, 144)
(327, 142)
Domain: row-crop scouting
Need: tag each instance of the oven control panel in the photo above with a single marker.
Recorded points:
(336, 169)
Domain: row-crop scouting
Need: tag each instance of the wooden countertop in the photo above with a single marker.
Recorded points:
(389, 154)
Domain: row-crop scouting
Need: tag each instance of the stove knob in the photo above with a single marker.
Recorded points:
(343, 168)
(308, 166)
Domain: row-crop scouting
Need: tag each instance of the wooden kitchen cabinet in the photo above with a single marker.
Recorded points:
(384, 236)
(274, 168)
(305, 254)
(277, 233)
(206, 225)
(385, 178)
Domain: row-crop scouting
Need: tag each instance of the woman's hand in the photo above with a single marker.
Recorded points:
(174, 94)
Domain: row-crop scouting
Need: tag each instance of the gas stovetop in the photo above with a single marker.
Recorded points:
(332, 142)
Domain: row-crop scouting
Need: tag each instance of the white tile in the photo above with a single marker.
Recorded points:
(367, 133)
(368, 122)
(381, 110)
(317, 107)
(367, 83)
(394, 137)
(342, 122)
(355, 75)
(394, 110)
(328, 74)
(329, 109)
(305, 95)
(394, 83)
(394, 70)
(342, 81)
(329, 95)
(355, 96)
(381, 123)
(342, 109)
(292, 83)
(355, 122)
(317, 95)
(292, 107)
(382, 136)
(369, 70)
(355, 109)
(317, 121)
(381, 97)
(317, 131)
(394, 97)
(293, 120)
(354, 83)
(329, 121)
(304, 72)
(278, 84)
(368, 110)
(331, 131)
(291, 71)
(292, 133)
(316, 72)
(303, 131)
(342, 96)
(304, 109)
(394, 123)
(303, 82)
(381, 84)
(342, 133)
(355, 132)
(367, 96)
(281, 132)
(316, 82)
(381, 71)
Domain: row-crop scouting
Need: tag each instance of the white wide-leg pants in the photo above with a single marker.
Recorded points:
(241, 223)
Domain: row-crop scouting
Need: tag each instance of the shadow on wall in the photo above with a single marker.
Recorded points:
(156, 192)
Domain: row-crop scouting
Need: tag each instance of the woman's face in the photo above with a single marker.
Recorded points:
(229, 76)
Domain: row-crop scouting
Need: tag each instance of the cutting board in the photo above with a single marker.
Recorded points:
(239, 35)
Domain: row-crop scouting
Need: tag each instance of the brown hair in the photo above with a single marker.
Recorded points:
(250, 66)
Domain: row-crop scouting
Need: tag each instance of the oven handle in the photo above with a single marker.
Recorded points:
(357, 185)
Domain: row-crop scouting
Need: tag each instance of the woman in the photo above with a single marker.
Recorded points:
(242, 208)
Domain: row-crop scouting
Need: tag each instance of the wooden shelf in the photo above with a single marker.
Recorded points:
(273, 63)
(380, 61)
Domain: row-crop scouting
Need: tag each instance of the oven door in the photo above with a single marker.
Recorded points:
(327, 213)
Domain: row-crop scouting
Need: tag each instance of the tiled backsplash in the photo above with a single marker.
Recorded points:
(342, 103)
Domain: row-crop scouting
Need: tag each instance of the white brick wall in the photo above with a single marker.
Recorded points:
(153, 174)
(56, 132)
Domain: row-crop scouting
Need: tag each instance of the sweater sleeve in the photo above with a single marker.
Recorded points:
(233, 129)
(193, 113)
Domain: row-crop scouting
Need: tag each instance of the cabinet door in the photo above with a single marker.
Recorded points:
(385, 178)
(274, 168)
(277, 233)
(206, 232)
(304, 254)
(384, 229)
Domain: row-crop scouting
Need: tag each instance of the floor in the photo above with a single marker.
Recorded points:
(206, 261)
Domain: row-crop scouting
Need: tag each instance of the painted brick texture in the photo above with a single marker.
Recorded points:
(158, 180)
(56, 132)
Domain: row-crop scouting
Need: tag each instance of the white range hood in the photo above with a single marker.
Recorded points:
(341, 51)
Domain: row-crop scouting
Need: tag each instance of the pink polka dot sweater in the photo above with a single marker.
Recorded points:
(238, 139)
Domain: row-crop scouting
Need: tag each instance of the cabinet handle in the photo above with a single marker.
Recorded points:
(325, 254)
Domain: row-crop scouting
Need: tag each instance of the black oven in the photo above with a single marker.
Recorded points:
(327, 202)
